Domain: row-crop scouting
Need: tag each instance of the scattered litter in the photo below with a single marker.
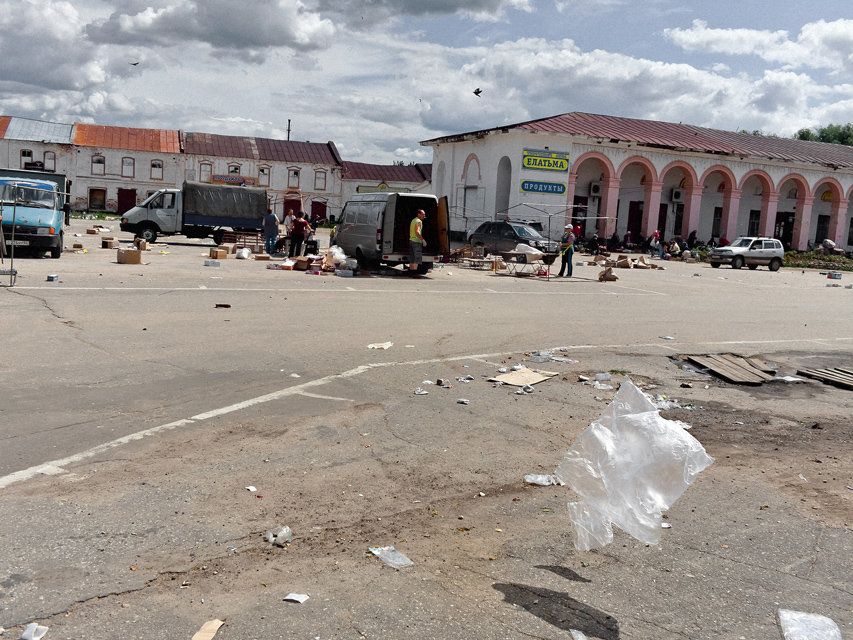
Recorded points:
(463, 401)
(600, 467)
(420, 392)
(295, 375)
(542, 479)
(212, 263)
(786, 379)
(280, 536)
(427, 382)
(583, 378)
(243, 253)
(603, 377)
(221, 305)
(33, 631)
(686, 385)
(53, 278)
(231, 549)
(662, 403)
(666, 338)
(540, 356)
(380, 345)
(502, 370)
(665, 525)
(577, 635)
(527, 388)
(797, 625)
(296, 597)
(601, 386)
(390, 556)
(520, 392)
(694, 369)
(803, 478)
(518, 367)
(251, 488)
(208, 630)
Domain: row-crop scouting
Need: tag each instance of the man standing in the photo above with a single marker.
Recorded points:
(270, 231)
(301, 230)
(417, 242)
(567, 250)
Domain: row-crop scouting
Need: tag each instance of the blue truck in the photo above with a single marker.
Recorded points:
(35, 210)
(197, 210)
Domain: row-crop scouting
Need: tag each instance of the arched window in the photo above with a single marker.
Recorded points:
(128, 167)
(293, 178)
(205, 171)
(156, 169)
(319, 181)
(99, 165)
(49, 161)
(233, 169)
(26, 157)
(263, 176)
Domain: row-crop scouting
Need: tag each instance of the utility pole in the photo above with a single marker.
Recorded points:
(288, 129)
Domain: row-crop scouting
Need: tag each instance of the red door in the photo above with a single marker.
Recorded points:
(318, 210)
(126, 200)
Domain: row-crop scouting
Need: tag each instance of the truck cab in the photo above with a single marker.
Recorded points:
(34, 209)
(160, 213)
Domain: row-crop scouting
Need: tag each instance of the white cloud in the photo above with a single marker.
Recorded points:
(820, 45)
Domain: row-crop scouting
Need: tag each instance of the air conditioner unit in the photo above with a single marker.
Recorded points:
(595, 188)
(677, 195)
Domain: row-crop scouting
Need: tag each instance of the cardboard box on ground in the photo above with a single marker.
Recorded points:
(129, 256)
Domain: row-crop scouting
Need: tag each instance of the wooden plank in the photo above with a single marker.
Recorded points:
(845, 370)
(738, 373)
(761, 365)
(724, 370)
(740, 362)
(829, 377)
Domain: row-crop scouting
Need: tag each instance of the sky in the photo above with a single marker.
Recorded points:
(377, 77)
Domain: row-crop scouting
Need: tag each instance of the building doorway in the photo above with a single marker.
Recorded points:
(784, 228)
(97, 199)
(126, 200)
(635, 220)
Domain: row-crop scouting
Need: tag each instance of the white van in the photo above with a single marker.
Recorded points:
(374, 228)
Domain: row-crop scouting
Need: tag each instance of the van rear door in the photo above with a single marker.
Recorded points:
(443, 227)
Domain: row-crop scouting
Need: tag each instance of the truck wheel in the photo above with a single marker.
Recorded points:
(737, 262)
(715, 265)
(774, 265)
(147, 233)
(752, 267)
(218, 236)
(56, 251)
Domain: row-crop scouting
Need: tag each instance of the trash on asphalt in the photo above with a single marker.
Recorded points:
(523, 377)
(390, 556)
(542, 479)
(518, 367)
(380, 345)
(33, 631)
(527, 388)
(702, 371)
(243, 253)
(251, 488)
(463, 401)
(603, 377)
(420, 392)
(797, 625)
(280, 536)
(666, 338)
(296, 597)
(578, 635)
(208, 630)
(540, 356)
(602, 467)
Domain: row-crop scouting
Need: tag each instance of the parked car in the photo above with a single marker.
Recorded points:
(751, 252)
(503, 236)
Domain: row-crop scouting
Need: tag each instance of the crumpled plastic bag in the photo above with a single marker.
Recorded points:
(532, 252)
(797, 625)
(628, 466)
(243, 253)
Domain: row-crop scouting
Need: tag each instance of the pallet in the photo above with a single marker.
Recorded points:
(837, 376)
(734, 368)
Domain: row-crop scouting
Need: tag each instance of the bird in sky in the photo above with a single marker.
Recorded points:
(478, 91)
(133, 64)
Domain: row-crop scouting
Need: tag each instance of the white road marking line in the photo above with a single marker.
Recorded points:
(322, 397)
(442, 292)
(56, 466)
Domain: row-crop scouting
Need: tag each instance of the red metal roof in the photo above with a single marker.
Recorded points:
(4, 122)
(157, 140)
(386, 172)
(679, 137)
(209, 144)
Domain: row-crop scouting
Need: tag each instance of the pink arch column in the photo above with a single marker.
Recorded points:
(570, 197)
(802, 224)
(767, 222)
(836, 222)
(731, 208)
(690, 221)
(609, 206)
(651, 209)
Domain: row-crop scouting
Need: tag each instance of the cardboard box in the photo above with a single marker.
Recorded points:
(77, 245)
(141, 244)
(129, 256)
(92, 232)
(301, 263)
(110, 243)
(229, 247)
(212, 263)
(262, 256)
(218, 254)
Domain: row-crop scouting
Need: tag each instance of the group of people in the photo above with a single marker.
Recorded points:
(298, 229)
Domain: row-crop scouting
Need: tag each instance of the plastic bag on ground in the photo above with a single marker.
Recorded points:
(797, 625)
(628, 466)
(532, 253)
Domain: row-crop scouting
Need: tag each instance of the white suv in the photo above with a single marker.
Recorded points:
(750, 252)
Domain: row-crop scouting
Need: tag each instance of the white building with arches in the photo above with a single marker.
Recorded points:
(618, 175)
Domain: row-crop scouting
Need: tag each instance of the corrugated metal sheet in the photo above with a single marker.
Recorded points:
(679, 137)
(385, 173)
(302, 152)
(4, 122)
(155, 140)
(37, 130)
(209, 144)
